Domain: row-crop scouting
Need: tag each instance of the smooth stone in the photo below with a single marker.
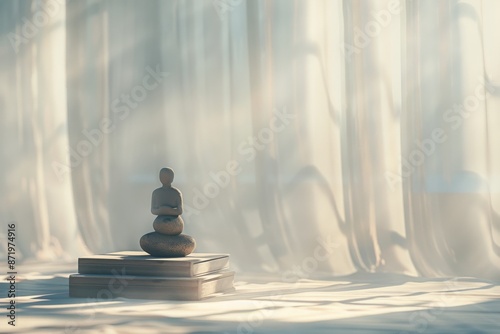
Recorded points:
(168, 225)
(161, 245)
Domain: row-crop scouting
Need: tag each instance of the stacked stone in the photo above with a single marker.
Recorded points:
(168, 240)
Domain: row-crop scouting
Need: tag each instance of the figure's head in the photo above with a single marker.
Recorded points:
(166, 176)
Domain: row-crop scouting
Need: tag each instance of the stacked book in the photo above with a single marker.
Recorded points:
(136, 274)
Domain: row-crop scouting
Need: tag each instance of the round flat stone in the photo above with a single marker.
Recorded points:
(161, 245)
(168, 225)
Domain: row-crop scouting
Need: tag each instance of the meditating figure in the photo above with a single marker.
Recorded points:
(166, 203)
(167, 240)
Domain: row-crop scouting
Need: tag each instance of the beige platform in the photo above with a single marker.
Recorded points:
(103, 287)
(140, 263)
(136, 274)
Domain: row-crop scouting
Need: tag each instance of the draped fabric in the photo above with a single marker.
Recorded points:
(312, 136)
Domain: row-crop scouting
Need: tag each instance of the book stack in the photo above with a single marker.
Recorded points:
(136, 274)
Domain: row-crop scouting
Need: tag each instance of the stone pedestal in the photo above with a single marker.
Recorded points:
(162, 245)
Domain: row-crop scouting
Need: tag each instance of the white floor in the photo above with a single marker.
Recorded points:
(379, 303)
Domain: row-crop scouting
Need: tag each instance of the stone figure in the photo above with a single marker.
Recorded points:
(167, 240)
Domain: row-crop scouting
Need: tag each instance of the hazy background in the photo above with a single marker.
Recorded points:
(388, 159)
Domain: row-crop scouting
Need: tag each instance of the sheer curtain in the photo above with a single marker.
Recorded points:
(306, 136)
